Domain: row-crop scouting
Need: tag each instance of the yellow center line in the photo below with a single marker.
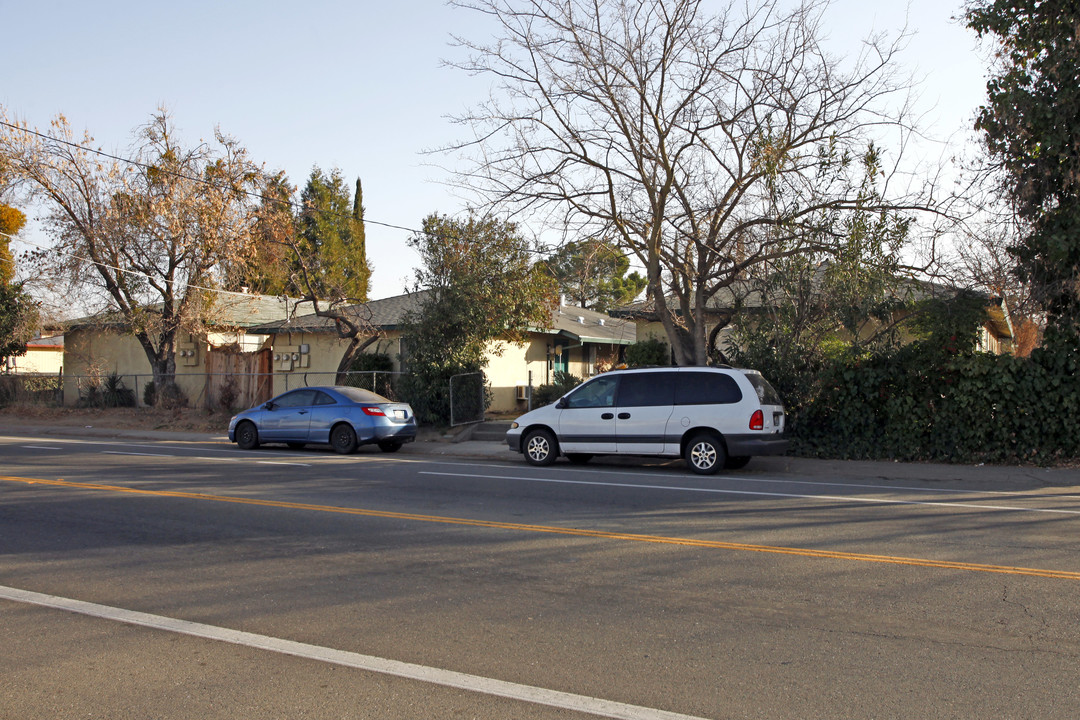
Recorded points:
(578, 532)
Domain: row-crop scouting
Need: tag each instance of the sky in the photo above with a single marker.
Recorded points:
(359, 86)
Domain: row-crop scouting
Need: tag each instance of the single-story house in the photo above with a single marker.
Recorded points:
(580, 341)
(44, 356)
(995, 335)
(224, 362)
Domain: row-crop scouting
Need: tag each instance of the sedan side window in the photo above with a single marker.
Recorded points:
(598, 393)
(322, 398)
(300, 398)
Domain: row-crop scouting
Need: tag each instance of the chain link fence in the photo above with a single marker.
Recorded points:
(231, 391)
(468, 398)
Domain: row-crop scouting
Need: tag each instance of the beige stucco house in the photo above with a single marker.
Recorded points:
(44, 356)
(224, 362)
(740, 302)
(307, 349)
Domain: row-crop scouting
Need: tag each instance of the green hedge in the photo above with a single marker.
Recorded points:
(914, 404)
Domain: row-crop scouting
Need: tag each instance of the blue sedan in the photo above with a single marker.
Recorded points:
(344, 417)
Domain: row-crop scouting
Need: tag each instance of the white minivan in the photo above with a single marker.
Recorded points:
(712, 417)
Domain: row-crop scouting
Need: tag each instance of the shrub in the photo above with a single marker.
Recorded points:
(648, 353)
(548, 393)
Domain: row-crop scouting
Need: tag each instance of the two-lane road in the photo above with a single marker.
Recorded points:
(305, 584)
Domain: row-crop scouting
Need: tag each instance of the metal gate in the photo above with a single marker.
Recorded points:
(468, 398)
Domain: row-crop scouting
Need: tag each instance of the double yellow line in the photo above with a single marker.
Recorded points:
(578, 532)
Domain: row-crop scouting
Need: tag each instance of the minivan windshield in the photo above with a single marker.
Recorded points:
(765, 392)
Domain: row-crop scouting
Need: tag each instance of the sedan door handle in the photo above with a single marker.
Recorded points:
(302, 412)
(606, 416)
(624, 416)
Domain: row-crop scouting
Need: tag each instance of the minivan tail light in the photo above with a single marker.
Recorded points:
(374, 410)
(757, 420)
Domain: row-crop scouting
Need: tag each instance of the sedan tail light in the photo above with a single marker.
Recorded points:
(757, 420)
(374, 410)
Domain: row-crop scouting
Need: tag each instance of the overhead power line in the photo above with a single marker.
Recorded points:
(266, 198)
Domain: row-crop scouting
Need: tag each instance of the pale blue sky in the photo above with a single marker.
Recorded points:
(356, 86)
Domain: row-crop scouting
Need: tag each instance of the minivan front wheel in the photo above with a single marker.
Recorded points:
(705, 454)
(540, 448)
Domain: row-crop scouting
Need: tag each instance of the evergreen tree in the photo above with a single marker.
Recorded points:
(480, 287)
(1031, 127)
(332, 257)
(592, 274)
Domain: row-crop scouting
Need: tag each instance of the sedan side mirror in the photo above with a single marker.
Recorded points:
(562, 404)
(269, 406)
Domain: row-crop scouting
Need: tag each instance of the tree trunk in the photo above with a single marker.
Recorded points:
(357, 345)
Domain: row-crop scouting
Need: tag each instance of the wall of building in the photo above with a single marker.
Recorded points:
(46, 360)
(302, 358)
(93, 354)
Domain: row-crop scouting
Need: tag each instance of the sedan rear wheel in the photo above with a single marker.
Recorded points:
(247, 436)
(540, 448)
(343, 438)
(705, 454)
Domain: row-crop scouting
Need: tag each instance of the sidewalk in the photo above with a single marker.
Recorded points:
(430, 443)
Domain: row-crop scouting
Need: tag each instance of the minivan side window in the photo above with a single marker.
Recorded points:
(647, 389)
(597, 393)
(705, 388)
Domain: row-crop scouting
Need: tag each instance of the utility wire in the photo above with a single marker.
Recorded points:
(204, 181)
(266, 198)
(135, 273)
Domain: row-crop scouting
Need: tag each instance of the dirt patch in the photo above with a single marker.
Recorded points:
(180, 420)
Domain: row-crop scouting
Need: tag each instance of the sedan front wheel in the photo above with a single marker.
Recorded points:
(247, 436)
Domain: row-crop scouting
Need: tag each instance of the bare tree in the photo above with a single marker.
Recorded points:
(704, 144)
(150, 234)
(302, 264)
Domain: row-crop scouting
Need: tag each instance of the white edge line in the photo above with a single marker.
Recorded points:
(760, 493)
(422, 673)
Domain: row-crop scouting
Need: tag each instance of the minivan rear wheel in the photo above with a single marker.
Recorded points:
(705, 454)
(540, 448)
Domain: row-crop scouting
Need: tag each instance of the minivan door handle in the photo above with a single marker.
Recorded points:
(624, 416)
(607, 416)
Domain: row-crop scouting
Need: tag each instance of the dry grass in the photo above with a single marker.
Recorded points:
(183, 420)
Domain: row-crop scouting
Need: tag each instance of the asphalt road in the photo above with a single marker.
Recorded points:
(143, 579)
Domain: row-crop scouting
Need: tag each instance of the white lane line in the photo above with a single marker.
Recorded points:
(189, 457)
(760, 493)
(228, 451)
(422, 673)
(824, 483)
(40, 447)
(140, 454)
